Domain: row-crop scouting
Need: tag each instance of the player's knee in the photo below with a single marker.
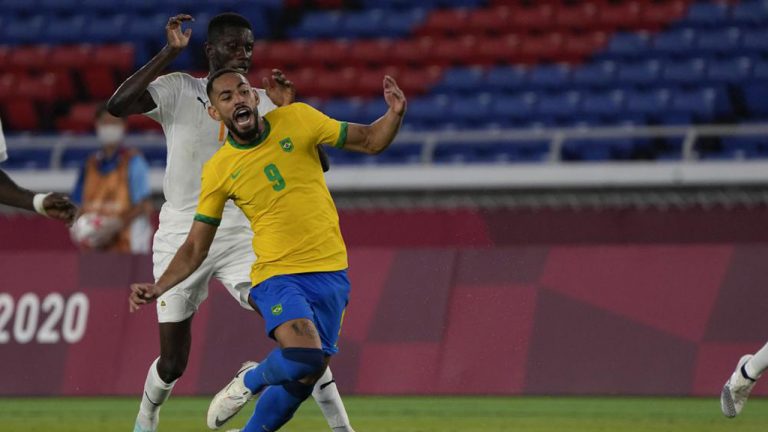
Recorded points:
(171, 369)
(298, 390)
(304, 363)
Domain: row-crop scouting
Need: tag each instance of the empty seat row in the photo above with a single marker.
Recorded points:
(688, 41)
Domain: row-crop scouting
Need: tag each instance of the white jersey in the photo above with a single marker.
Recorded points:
(192, 138)
(3, 152)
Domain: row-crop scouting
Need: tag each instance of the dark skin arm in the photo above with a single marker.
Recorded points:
(56, 205)
(132, 96)
(187, 259)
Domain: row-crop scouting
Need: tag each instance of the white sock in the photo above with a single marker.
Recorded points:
(758, 363)
(156, 392)
(327, 397)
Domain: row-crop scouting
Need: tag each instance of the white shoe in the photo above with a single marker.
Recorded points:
(736, 390)
(231, 399)
(143, 424)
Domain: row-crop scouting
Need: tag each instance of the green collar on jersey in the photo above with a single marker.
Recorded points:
(260, 139)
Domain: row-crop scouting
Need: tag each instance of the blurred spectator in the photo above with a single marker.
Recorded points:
(114, 183)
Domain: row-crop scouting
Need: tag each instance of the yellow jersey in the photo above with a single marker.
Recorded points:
(278, 182)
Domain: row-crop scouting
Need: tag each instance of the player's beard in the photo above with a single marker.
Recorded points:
(245, 135)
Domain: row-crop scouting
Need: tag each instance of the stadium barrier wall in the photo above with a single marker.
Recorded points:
(630, 319)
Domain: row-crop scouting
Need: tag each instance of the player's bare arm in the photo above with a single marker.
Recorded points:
(377, 136)
(132, 96)
(188, 258)
(53, 205)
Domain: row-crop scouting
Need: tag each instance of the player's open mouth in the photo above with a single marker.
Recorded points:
(243, 116)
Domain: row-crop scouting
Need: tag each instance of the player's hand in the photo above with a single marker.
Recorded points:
(58, 206)
(280, 89)
(142, 294)
(177, 39)
(393, 96)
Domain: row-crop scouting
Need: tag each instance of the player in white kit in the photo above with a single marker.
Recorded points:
(53, 205)
(179, 103)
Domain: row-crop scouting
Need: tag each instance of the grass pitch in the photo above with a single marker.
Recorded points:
(405, 414)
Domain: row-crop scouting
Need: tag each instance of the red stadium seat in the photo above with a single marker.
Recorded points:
(411, 52)
(370, 52)
(443, 22)
(41, 88)
(536, 18)
(5, 52)
(332, 83)
(578, 47)
(369, 82)
(33, 58)
(452, 51)
(142, 123)
(118, 57)
(493, 20)
(71, 56)
(80, 118)
(304, 80)
(285, 55)
(618, 16)
(543, 48)
(7, 86)
(327, 53)
(99, 82)
(496, 50)
(418, 81)
(20, 115)
(654, 16)
(576, 17)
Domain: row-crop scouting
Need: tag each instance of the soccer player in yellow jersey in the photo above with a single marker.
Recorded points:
(270, 168)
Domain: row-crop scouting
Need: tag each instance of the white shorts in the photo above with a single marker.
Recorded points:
(229, 260)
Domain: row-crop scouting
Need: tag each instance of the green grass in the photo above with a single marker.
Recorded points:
(406, 414)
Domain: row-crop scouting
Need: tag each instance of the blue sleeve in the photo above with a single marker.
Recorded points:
(77, 193)
(138, 179)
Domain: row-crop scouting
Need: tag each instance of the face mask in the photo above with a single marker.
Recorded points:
(110, 133)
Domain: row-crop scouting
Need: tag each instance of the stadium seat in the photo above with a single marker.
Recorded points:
(107, 29)
(470, 112)
(28, 158)
(532, 17)
(142, 123)
(32, 58)
(429, 110)
(418, 81)
(627, 45)
(650, 103)
(493, 20)
(65, 29)
(145, 29)
(75, 157)
(656, 15)
(750, 13)
(729, 71)
(373, 109)
(452, 51)
(24, 30)
(514, 109)
(755, 42)
(684, 72)
(644, 72)
(401, 153)
(20, 115)
(444, 22)
(579, 47)
(597, 74)
(709, 14)
(461, 80)
(284, 54)
(558, 107)
(344, 110)
(541, 49)
(320, 24)
(549, 76)
(603, 104)
(506, 78)
(369, 53)
(578, 16)
(363, 24)
(328, 53)
(155, 156)
(675, 42)
(725, 41)
(80, 118)
(455, 154)
(118, 57)
(702, 104)
(99, 82)
(72, 57)
(756, 99)
(402, 23)
(495, 50)
(411, 52)
(622, 16)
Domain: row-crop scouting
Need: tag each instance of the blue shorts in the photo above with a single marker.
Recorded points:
(320, 297)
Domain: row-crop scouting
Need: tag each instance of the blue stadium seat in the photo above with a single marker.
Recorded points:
(65, 30)
(401, 23)
(462, 79)
(686, 72)
(364, 24)
(702, 104)
(155, 155)
(107, 29)
(28, 158)
(508, 78)
(513, 108)
(756, 99)
(506, 152)
(675, 42)
(317, 25)
(649, 103)
(627, 45)
(75, 157)
(549, 77)
(646, 72)
(755, 41)
(55, 7)
(24, 30)
(471, 112)
(603, 104)
(749, 146)
(719, 41)
(401, 153)
(729, 71)
(146, 28)
(709, 14)
(374, 109)
(397, 4)
(14, 7)
(760, 71)
(343, 157)
(456, 153)
(598, 74)
(559, 106)
(344, 110)
(753, 13)
(428, 111)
